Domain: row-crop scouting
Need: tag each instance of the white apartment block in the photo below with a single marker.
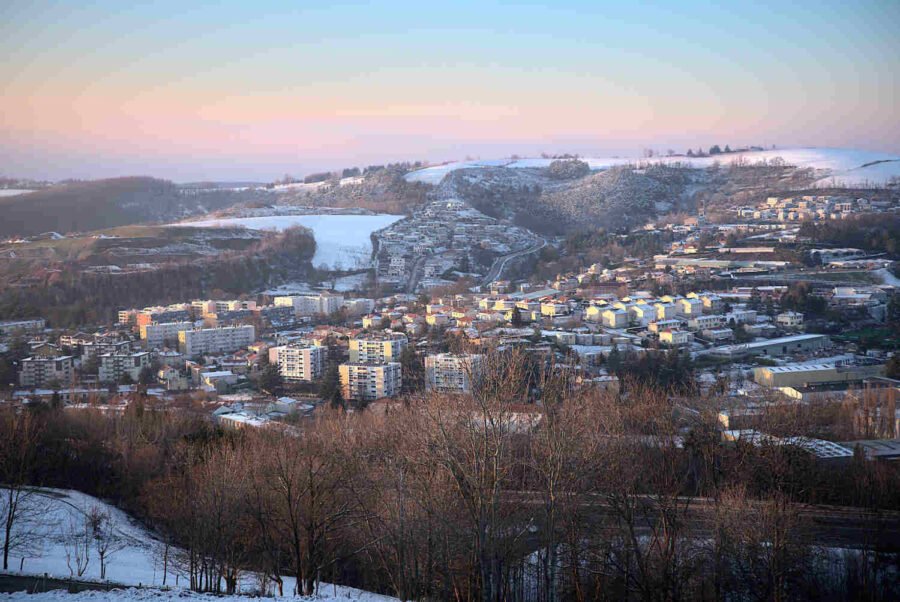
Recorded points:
(156, 335)
(40, 371)
(676, 338)
(706, 322)
(365, 382)
(115, 366)
(377, 348)
(299, 363)
(615, 318)
(217, 307)
(790, 319)
(689, 307)
(742, 316)
(359, 307)
(215, 340)
(451, 373)
(312, 304)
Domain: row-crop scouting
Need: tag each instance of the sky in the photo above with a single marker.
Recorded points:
(254, 90)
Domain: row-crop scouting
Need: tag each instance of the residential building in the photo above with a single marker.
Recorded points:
(377, 347)
(689, 307)
(114, 367)
(40, 371)
(215, 340)
(665, 311)
(312, 304)
(159, 335)
(676, 338)
(615, 318)
(790, 319)
(296, 362)
(367, 382)
(705, 322)
(9, 327)
(451, 373)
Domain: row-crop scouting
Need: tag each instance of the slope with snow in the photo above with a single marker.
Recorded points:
(136, 559)
(845, 167)
(341, 594)
(343, 242)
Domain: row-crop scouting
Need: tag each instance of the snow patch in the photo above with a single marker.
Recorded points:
(343, 242)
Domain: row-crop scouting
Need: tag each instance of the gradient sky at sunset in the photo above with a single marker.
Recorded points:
(253, 90)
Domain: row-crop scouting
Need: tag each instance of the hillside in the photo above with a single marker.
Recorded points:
(85, 279)
(834, 166)
(98, 204)
(554, 197)
(135, 555)
(536, 199)
(384, 190)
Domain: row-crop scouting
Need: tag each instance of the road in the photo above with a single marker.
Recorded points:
(500, 263)
(835, 526)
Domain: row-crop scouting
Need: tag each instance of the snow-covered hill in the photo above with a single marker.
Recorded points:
(135, 559)
(845, 167)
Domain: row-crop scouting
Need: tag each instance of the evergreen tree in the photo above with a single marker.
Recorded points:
(412, 369)
(330, 388)
(270, 380)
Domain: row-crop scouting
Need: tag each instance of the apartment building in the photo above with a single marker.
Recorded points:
(377, 348)
(615, 318)
(689, 307)
(706, 322)
(114, 367)
(311, 304)
(303, 363)
(9, 327)
(366, 382)
(676, 338)
(39, 371)
(157, 335)
(789, 319)
(226, 339)
(451, 373)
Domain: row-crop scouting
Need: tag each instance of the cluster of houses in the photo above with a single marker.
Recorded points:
(808, 208)
(442, 237)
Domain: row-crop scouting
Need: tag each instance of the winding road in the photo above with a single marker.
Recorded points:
(500, 263)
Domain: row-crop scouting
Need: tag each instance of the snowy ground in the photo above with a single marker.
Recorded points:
(342, 241)
(887, 277)
(13, 191)
(151, 595)
(137, 559)
(353, 282)
(845, 165)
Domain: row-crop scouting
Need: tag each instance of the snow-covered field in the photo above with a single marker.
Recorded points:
(845, 165)
(342, 241)
(13, 191)
(153, 595)
(137, 558)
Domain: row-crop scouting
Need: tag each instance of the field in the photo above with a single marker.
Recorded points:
(342, 241)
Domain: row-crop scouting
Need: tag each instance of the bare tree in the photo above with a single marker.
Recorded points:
(103, 531)
(20, 433)
(78, 538)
